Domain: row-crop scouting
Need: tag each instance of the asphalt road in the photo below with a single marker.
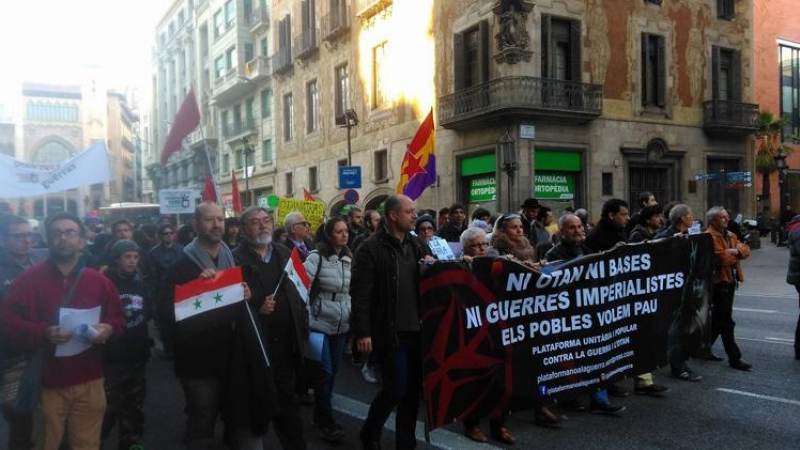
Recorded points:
(728, 410)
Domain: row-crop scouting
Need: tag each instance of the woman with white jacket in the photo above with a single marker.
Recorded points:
(329, 314)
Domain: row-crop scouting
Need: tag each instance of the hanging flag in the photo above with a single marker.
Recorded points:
(296, 272)
(418, 169)
(307, 196)
(187, 119)
(236, 200)
(206, 303)
(209, 193)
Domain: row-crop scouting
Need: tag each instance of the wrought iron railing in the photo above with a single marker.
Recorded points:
(723, 113)
(306, 42)
(237, 128)
(530, 93)
(336, 22)
(258, 16)
(281, 60)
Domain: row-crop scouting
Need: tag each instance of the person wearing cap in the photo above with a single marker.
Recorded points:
(529, 211)
(456, 224)
(125, 355)
(425, 228)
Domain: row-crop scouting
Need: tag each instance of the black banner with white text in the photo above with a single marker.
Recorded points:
(499, 336)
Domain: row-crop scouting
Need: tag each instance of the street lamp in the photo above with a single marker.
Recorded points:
(348, 120)
(780, 164)
(509, 155)
(247, 151)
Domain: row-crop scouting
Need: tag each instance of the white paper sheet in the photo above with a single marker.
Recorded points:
(68, 320)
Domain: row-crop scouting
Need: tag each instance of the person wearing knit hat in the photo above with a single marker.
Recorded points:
(123, 246)
(425, 227)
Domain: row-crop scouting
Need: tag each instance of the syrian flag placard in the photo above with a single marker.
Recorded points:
(206, 303)
(297, 274)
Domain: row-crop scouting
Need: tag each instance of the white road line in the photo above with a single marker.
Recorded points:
(759, 396)
(440, 438)
(765, 311)
(779, 339)
(767, 340)
(762, 295)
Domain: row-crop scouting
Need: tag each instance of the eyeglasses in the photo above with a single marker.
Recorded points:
(56, 234)
(19, 235)
(506, 217)
(304, 224)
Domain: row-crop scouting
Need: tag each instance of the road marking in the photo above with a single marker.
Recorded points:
(765, 311)
(763, 295)
(779, 339)
(760, 396)
(440, 438)
(767, 340)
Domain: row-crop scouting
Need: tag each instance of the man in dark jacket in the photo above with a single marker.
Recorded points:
(385, 319)
(610, 229)
(456, 224)
(529, 211)
(163, 255)
(284, 316)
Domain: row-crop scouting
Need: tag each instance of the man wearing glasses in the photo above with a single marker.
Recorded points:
(16, 256)
(73, 397)
(298, 231)
(163, 255)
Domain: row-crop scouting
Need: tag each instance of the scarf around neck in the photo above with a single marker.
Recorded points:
(201, 257)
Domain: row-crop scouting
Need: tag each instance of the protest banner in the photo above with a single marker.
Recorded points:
(314, 212)
(502, 337)
(176, 201)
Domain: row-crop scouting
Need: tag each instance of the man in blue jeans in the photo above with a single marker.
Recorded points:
(385, 319)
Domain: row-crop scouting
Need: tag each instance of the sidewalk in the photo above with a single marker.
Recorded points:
(765, 272)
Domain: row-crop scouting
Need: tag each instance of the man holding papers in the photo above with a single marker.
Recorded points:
(72, 395)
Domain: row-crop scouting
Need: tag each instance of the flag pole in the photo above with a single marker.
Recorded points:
(258, 335)
(210, 167)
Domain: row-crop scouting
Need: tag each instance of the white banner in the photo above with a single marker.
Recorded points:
(24, 179)
(176, 201)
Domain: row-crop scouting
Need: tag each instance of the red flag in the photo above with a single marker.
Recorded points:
(237, 201)
(209, 193)
(307, 196)
(185, 122)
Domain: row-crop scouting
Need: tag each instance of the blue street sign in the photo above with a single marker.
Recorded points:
(706, 176)
(350, 177)
(739, 176)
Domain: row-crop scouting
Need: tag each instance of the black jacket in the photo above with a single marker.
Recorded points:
(374, 287)
(605, 236)
(640, 233)
(450, 233)
(133, 345)
(252, 268)
(565, 252)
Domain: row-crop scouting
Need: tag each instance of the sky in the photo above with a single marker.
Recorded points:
(53, 41)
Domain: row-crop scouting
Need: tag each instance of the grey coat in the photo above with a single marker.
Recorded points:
(329, 312)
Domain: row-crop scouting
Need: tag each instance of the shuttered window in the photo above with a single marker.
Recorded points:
(561, 48)
(471, 56)
(654, 71)
(727, 74)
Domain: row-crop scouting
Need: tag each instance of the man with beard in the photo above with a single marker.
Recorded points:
(385, 319)
(355, 226)
(72, 397)
(201, 358)
(284, 315)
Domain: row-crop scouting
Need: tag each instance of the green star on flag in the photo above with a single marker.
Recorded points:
(206, 298)
(217, 298)
(198, 303)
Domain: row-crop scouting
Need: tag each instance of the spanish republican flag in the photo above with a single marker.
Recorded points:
(418, 169)
(203, 304)
(297, 274)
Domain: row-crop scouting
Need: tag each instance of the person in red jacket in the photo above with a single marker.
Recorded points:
(72, 397)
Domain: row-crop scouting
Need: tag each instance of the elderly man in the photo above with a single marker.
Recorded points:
(284, 315)
(728, 253)
(201, 359)
(385, 319)
(73, 396)
(298, 232)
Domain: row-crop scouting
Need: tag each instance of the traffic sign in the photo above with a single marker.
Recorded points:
(351, 196)
(739, 176)
(706, 177)
(350, 177)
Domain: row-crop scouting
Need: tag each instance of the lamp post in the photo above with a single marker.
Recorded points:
(348, 120)
(509, 155)
(247, 151)
(780, 164)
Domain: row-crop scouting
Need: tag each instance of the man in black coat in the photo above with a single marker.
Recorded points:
(385, 319)
(610, 230)
(282, 312)
(456, 224)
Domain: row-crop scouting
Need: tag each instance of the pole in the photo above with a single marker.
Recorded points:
(210, 167)
(257, 332)
(349, 156)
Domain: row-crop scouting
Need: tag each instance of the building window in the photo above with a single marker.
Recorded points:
(790, 90)
(342, 91)
(655, 2)
(471, 56)
(239, 159)
(223, 119)
(312, 107)
(230, 58)
(381, 166)
(561, 48)
(727, 76)
(230, 13)
(379, 55)
(249, 52)
(726, 9)
(266, 151)
(654, 71)
(219, 25)
(266, 103)
(313, 182)
(289, 181)
(250, 110)
(288, 117)
(264, 48)
(226, 164)
(608, 183)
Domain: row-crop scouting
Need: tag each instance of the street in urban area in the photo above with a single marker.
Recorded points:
(728, 409)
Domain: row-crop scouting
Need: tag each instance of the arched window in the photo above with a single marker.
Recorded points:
(51, 152)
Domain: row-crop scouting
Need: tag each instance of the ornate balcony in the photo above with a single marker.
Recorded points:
(725, 119)
(258, 20)
(281, 61)
(257, 68)
(238, 129)
(543, 99)
(336, 23)
(306, 43)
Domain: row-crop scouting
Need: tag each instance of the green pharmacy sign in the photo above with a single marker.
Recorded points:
(555, 186)
(482, 189)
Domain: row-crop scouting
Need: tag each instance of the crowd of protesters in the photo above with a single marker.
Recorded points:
(362, 305)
